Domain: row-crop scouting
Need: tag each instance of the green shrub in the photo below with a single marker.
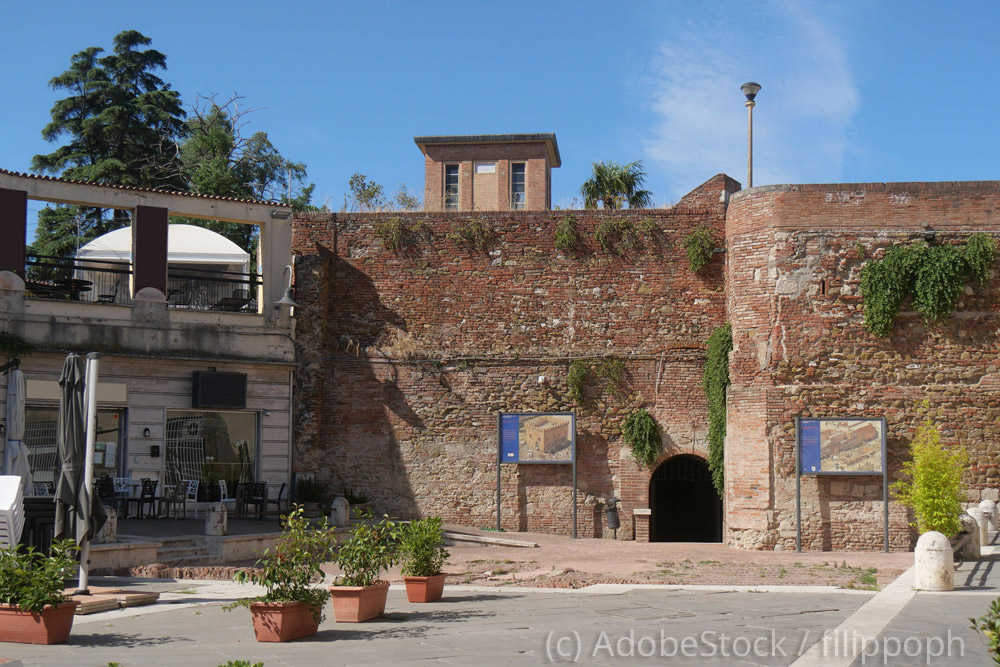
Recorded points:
(312, 490)
(32, 580)
(989, 625)
(371, 550)
(13, 346)
(699, 245)
(288, 569)
(421, 553)
(714, 381)
(642, 435)
(935, 489)
(394, 233)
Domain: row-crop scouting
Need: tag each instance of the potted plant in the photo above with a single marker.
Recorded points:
(290, 606)
(33, 609)
(312, 494)
(358, 594)
(422, 557)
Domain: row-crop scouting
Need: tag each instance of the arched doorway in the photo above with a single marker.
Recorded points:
(685, 506)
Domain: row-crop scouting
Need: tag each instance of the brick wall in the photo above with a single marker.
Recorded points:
(406, 357)
(800, 348)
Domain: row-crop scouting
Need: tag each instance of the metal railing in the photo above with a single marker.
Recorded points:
(110, 282)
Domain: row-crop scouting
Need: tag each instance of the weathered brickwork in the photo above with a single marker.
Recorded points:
(406, 357)
(801, 349)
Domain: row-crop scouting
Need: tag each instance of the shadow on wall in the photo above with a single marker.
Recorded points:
(352, 442)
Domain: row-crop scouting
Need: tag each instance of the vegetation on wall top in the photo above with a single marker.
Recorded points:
(624, 235)
(934, 276)
(396, 233)
(567, 238)
(714, 381)
(642, 435)
(475, 233)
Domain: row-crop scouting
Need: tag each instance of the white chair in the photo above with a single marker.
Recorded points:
(190, 495)
(11, 510)
(224, 496)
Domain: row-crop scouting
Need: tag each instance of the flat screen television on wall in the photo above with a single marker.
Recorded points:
(213, 389)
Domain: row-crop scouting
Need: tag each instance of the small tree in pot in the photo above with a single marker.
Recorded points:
(291, 607)
(359, 593)
(423, 557)
(33, 609)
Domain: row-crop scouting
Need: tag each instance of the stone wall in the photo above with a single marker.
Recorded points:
(801, 349)
(407, 356)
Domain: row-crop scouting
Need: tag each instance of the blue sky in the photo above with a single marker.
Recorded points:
(852, 91)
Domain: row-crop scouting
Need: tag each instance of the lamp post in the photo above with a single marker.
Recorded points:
(750, 89)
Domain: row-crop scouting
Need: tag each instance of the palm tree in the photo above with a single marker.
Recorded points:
(615, 185)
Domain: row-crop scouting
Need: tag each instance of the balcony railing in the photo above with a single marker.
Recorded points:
(110, 282)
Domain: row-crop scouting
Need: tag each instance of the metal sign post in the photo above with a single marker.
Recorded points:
(540, 438)
(840, 446)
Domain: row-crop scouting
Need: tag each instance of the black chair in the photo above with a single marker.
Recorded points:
(278, 502)
(104, 489)
(255, 494)
(146, 497)
(110, 296)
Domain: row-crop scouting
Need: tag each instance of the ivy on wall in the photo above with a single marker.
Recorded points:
(699, 245)
(610, 370)
(934, 276)
(642, 435)
(714, 381)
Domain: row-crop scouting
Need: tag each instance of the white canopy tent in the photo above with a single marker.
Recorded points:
(186, 244)
(189, 248)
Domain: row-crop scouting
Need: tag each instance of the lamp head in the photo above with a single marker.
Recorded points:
(286, 300)
(750, 89)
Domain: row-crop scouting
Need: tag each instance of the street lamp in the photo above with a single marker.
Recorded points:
(750, 89)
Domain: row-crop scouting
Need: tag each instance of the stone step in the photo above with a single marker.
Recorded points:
(176, 541)
(186, 551)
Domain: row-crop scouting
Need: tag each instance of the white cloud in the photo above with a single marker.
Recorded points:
(804, 110)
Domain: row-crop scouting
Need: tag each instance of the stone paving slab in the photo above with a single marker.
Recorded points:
(470, 627)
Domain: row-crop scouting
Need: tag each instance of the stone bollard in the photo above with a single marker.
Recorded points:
(984, 529)
(990, 508)
(933, 557)
(216, 519)
(340, 512)
(108, 534)
(970, 548)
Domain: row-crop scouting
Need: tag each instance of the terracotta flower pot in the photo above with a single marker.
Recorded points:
(354, 604)
(424, 589)
(50, 626)
(282, 621)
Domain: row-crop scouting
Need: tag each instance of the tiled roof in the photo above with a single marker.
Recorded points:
(136, 189)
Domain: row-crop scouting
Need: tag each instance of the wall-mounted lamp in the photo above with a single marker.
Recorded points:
(287, 300)
(280, 214)
(541, 379)
(145, 432)
(929, 234)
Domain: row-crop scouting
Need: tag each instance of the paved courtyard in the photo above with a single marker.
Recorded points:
(602, 624)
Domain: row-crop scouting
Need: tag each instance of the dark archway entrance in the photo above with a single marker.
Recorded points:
(684, 504)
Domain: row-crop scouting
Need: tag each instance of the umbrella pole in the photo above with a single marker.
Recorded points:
(90, 392)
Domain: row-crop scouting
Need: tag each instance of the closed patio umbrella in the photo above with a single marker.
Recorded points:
(17, 453)
(79, 513)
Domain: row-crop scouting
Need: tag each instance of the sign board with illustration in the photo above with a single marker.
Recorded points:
(537, 437)
(842, 446)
